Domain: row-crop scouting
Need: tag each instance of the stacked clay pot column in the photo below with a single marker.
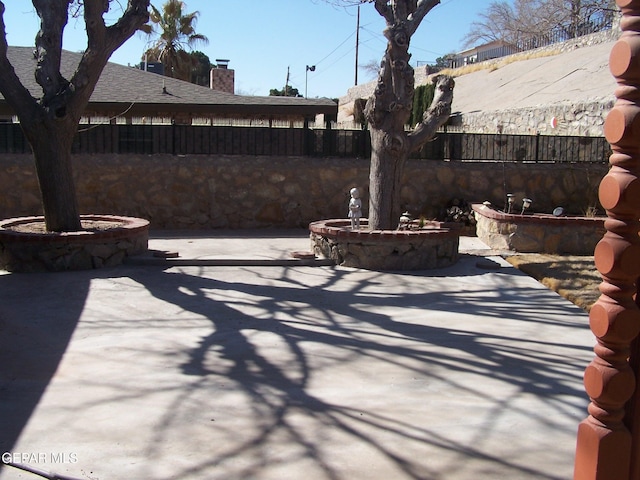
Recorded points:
(607, 443)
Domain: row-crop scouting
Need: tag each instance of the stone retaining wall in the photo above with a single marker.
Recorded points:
(578, 119)
(202, 192)
(584, 118)
(532, 233)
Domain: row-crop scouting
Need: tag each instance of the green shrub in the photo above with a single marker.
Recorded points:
(422, 99)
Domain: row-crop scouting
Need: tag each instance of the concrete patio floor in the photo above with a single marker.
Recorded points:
(289, 372)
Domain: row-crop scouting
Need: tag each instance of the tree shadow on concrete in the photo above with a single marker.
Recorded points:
(38, 315)
(286, 340)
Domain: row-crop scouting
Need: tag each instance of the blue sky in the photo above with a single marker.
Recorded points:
(262, 38)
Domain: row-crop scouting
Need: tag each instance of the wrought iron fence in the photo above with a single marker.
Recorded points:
(562, 33)
(559, 34)
(516, 148)
(329, 142)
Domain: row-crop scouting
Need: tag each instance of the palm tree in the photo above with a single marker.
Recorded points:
(176, 34)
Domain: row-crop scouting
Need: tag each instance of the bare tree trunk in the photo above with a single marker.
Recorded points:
(50, 122)
(389, 109)
(51, 145)
(384, 183)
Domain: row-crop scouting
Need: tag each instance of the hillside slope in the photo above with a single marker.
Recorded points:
(571, 77)
(522, 95)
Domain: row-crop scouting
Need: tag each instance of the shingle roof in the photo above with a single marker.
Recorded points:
(142, 93)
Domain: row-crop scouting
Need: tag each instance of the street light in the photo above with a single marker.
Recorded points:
(306, 74)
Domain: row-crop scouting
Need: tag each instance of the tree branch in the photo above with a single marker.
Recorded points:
(134, 17)
(53, 18)
(437, 115)
(14, 93)
(103, 41)
(94, 22)
(422, 8)
(384, 10)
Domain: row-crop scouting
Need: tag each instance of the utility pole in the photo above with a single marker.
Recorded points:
(286, 84)
(357, 43)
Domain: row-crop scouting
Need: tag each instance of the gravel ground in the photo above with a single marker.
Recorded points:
(573, 277)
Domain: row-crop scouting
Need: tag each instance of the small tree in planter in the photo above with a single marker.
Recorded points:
(389, 108)
(50, 122)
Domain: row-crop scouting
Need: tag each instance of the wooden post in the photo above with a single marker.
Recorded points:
(605, 439)
(632, 417)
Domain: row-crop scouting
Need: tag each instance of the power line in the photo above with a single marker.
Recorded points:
(320, 71)
(334, 50)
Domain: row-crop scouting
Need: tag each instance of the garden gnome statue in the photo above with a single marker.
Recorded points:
(355, 208)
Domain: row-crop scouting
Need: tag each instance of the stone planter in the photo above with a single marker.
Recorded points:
(538, 233)
(434, 246)
(105, 242)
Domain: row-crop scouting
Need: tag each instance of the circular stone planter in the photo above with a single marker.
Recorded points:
(105, 242)
(433, 246)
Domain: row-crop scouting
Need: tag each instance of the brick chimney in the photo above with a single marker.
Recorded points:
(221, 77)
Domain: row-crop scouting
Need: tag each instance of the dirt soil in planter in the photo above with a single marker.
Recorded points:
(88, 225)
(572, 277)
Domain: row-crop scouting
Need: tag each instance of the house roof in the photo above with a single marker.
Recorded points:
(138, 93)
(485, 46)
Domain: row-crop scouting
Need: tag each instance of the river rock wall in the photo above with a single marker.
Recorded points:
(203, 192)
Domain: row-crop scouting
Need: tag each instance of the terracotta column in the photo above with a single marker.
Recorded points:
(605, 439)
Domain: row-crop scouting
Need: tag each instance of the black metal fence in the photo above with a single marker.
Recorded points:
(516, 148)
(231, 140)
